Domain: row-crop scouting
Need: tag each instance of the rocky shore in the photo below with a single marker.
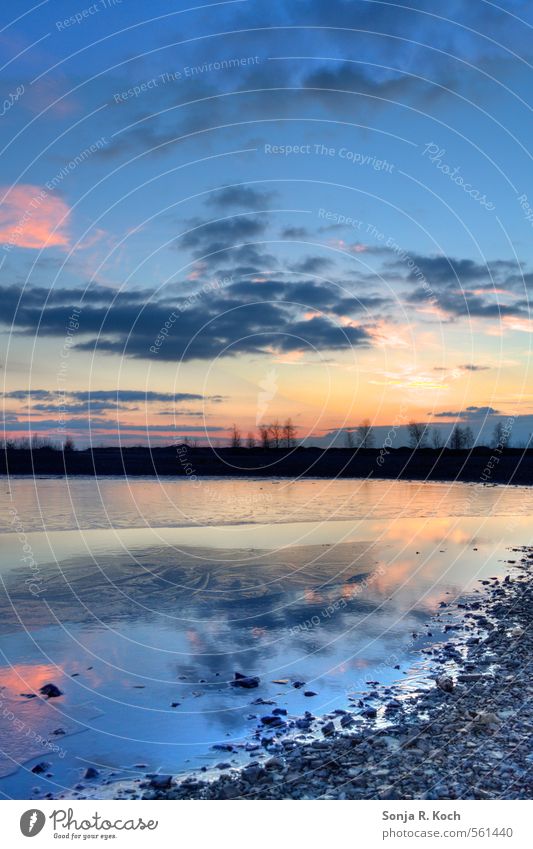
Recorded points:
(467, 736)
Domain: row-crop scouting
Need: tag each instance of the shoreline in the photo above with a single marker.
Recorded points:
(483, 466)
(466, 737)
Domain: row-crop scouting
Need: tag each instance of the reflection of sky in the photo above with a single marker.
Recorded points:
(169, 625)
(134, 503)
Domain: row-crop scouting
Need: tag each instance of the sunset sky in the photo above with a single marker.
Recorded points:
(243, 211)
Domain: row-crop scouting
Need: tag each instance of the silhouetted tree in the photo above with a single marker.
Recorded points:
(499, 436)
(437, 440)
(461, 438)
(468, 437)
(250, 441)
(289, 433)
(69, 444)
(264, 433)
(365, 434)
(276, 431)
(418, 434)
(236, 440)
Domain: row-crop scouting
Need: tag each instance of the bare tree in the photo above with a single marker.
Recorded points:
(236, 441)
(468, 437)
(418, 434)
(264, 433)
(437, 440)
(250, 441)
(365, 434)
(289, 433)
(456, 438)
(69, 444)
(276, 431)
(348, 439)
(461, 438)
(499, 436)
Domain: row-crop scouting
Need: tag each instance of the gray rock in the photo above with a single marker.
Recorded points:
(160, 782)
(445, 683)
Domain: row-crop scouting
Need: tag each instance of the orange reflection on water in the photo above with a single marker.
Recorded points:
(27, 677)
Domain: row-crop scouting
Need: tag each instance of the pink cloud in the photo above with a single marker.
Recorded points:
(30, 217)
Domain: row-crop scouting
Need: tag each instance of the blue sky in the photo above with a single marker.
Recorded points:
(334, 199)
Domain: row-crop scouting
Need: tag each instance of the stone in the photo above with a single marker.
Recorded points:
(245, 681)
(487, 718)
(445, 683)
(160, 782)
(272, 721)
(41, 767)
(274, 763)
(252, 773)
(90, 773)
(50, 691)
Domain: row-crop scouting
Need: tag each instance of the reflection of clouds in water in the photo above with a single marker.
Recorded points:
(163, 625)
(28, 723)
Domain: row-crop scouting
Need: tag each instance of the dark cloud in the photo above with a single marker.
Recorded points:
(442, 270)
(467, 413)
(242, 317)
(482, 411)
(464, 366)
(463, 304)
(101, 425)
(472, 367)
(312, 265)
(251, 313)
(322, 334)
(241, 197)
(294, 233)
(211, 237)
(103, 400)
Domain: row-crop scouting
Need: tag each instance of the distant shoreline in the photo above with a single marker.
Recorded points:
(479, 465)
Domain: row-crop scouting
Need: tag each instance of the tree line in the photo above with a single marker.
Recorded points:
(422, 435)
(284, 435)
(274, 435)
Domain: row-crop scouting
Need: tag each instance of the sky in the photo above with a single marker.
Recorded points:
(244, 211)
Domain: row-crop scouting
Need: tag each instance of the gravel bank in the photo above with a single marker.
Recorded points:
(466, 737)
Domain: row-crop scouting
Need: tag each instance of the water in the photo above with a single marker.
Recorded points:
(137, 595)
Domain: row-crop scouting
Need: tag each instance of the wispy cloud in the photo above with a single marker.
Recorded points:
(30, 217)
